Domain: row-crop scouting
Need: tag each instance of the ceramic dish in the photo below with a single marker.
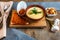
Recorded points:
(21, 5)
(35, 12)
(51, 11)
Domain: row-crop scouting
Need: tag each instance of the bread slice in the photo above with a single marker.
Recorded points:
(17, 20)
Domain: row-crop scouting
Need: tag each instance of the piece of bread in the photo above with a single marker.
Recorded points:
(17, 20)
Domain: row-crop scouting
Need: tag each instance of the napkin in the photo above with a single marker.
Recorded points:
(3, 6)
(15, 34)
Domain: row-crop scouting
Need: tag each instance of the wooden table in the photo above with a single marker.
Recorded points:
(43, 34)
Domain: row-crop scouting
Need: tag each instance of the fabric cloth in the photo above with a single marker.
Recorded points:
(15, 34)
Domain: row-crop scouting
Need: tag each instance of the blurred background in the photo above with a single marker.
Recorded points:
(40, 34)
(33, 0)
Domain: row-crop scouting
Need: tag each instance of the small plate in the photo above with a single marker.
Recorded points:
(51, 15)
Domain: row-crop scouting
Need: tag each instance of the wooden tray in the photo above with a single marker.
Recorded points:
(38, 24)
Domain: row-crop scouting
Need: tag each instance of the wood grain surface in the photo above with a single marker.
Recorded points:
(44, 34)
(41, 34)
(33, 24)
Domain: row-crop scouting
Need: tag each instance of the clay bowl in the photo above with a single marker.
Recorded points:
(36, 6)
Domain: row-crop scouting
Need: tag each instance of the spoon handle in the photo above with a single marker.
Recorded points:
(4, 26)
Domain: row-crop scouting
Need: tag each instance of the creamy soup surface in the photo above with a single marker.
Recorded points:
(35, 13)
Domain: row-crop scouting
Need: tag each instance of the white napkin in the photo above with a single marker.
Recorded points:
(4, 16)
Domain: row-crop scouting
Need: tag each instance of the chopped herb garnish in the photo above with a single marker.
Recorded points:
(34, 11)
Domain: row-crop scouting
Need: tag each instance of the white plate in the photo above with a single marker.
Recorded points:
(21, 5)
